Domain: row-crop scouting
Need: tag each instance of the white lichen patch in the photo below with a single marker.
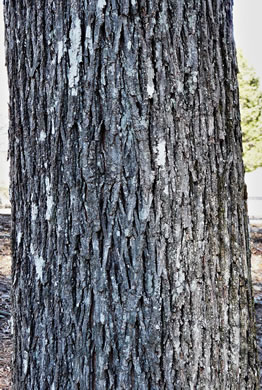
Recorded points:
(180, 284)
(150, 80)
(195, 76)
(60, 51)
(161, 153)
(53, 126)
(75, 53)
(49, 199)
(42, 136)
(47, 185)
(25, 362)
(193, 82)
(129, 45)
(101, 4)
(49, 207)
(150, 90)
(11, 325)
(192, 22)
(102, 318)
(18, 238)
(34, 211)
(89, 39)
(88, 32)
(32, 250)
(180, 86)
(211, 126)
(39, 264)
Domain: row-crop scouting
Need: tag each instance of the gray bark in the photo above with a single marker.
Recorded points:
(131, 261)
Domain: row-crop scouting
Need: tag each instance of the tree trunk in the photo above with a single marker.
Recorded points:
(131, 261)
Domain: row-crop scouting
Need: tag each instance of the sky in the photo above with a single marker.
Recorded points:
(248, 31)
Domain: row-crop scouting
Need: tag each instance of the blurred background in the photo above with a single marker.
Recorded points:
(248, 31)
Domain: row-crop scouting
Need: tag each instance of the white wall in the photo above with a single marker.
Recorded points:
(254, 189)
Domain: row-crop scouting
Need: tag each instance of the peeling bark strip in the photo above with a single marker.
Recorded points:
(131, 262)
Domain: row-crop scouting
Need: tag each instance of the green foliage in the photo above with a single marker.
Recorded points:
(251, 114)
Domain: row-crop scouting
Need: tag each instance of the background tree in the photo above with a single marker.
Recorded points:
(251, 114)
(131, 262)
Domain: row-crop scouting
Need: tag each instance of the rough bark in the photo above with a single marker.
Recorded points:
(131, 261)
